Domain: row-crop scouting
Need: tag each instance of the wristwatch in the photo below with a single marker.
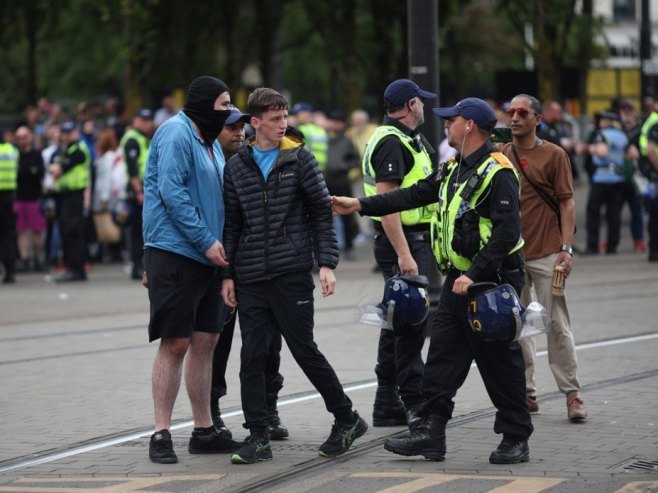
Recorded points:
(567, 248)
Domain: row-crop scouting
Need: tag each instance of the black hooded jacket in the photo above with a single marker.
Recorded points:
(274, 226)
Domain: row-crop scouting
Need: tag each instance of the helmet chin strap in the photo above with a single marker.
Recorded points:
(390, 310)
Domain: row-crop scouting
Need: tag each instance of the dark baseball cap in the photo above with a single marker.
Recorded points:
(67, 126)
(471, 109)
(236, 116)
(400, 91)
(144, 113)
(299, 107)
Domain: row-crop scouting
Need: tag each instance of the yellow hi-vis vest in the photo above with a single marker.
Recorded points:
(77, 178)
(422, 168)
(643, 141)
(317, 141)
(143, 143)
(443, 222)
(8, 167)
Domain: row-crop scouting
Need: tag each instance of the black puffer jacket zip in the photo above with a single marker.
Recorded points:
(277, 226)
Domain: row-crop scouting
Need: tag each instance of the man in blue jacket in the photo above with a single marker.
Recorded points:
(183, 226)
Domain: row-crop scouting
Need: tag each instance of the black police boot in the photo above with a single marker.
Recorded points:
(276, 430)
(389, 409)
(427, 439)
(512, 450)
(414, 418)
(217, 420)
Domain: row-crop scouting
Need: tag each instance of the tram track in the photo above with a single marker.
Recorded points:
(645, 335)
(317, 464)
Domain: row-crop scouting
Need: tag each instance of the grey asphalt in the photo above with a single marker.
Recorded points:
(75, 381)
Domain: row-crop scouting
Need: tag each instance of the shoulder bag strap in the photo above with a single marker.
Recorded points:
(549, 200)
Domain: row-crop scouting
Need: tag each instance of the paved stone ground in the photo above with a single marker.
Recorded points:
(75, 366)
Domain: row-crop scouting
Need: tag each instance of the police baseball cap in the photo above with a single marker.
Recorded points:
(400, 91)
(236, 116)
(608, 115)
(68, 126)
(144, 113)
(471, 109)
(299, 107)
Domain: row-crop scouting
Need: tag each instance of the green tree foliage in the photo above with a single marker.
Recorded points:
(563, 37)
(338, 54)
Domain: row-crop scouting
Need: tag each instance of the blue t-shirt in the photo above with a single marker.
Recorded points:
(265, 159)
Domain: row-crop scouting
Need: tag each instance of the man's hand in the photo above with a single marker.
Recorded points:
(217, 255)
(228, 293)
(55, 170)
(461, 285)
(566, 260)
(344, 205)
(407, 265)
(145, 280)
(327, 281)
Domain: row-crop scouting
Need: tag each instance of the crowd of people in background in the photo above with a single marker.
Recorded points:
(110, 225)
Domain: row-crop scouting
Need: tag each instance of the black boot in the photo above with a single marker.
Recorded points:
(389, 409)
(512, 450)
(427, 439)
(414, 418)
(276, 430)
(217, 420)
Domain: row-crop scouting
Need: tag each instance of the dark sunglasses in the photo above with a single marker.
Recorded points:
(523, 113)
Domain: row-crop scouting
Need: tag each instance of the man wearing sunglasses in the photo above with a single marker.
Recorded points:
(476, 238)
(548, 218)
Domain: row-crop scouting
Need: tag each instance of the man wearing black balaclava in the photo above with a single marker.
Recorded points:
(183, 234)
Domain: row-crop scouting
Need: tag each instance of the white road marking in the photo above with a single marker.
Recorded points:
(282, 402)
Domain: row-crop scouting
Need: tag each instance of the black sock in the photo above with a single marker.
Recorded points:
(204, 431)
(345, 417)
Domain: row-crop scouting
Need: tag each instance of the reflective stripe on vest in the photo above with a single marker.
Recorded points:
(443, 222)
(422, 168)
(143, 143)
(643, 141)
(317, 141)
(8, 167)
(77, 178)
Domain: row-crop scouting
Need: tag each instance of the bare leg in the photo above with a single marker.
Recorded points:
(37, 243)
(198, 376)
(23, 240)
(167, 370)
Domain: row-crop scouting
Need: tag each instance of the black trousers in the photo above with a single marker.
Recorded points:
(70, 210)
(136, 238)
(8, 232)
(453, 348)
(399, 361)
(273, 379)
(612, 197)
(652, 228)
(283, 304)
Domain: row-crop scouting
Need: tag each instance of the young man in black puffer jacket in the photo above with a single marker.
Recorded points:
(277, 215)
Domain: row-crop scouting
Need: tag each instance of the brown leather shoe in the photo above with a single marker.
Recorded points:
(575, 408)
(532, 404)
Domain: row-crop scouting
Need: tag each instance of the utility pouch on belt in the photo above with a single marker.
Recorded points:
(466, 238)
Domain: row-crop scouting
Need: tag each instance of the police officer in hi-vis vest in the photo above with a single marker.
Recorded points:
(71, 173)
(135, 149)
(397, 156)
(8, 177)
(648, 165)
(476, 237)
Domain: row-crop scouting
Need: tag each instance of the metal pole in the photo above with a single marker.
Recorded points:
(423, 45)
(645, 50)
